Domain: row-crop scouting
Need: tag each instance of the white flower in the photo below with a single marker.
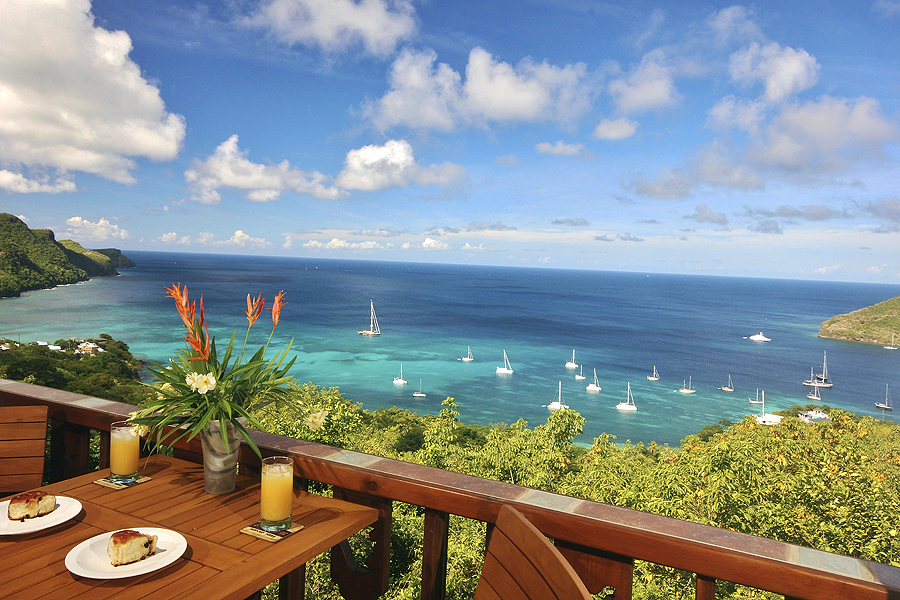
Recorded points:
(201, 382)
(316, 421)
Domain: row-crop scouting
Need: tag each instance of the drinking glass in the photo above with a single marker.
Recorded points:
(124, 452)
(277, 493)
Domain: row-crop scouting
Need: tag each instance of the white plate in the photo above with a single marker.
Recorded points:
(89, 558)
(66, 508)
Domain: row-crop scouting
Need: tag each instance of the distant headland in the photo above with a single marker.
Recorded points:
(874, 324)
(32, 259)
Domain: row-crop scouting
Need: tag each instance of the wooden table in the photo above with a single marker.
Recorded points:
(220, 562)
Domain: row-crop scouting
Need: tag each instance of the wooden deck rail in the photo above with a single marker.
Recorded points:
(600, 541)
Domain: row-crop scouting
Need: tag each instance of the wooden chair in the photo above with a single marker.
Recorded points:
(522, 564)
(23, 436)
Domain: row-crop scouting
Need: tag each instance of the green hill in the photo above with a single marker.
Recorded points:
(874, 324)
(32, 259)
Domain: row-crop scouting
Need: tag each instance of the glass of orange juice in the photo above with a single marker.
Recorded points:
(277, 493)
(124, 452)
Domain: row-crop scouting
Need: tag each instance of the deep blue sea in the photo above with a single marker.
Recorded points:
(621, 324)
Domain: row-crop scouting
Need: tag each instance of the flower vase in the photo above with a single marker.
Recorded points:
(219, 461)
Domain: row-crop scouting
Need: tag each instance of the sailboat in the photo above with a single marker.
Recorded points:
(757, 401)
(814, 394)
(892, 346)
(420, 393)
(820, 379)
(373, 323)
(506, 369)
(557, 404)
(572, 364)
(655, 376)
(886, 405)
(468, 357)
(400, 380)
(629, 401)
(595, 386)
(687, 389)
(729, 387)
(580, 376)
(767, 418)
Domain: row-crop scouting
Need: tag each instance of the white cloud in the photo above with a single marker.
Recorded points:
(650, 86)
(432, 244)
(877, 269)
(337, 243)
(713, 167)
(372, 168)
(338, 25)
(559, 148)
(615, 129)
(168, 238)
(228, 167)
(425, 96)
(704, 214)
(470, 248)
(826, 136)
(735, 112)
(889, 8)
(733, 23)
(828, 269)
(784, 71)
(72, 98)
(82, 229)
(243, 240)
(668, 184)
(18, 183)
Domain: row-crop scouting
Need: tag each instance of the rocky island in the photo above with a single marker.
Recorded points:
(32, 259)
(874, 324)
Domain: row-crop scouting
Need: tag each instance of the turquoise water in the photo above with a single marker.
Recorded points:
(622, 324)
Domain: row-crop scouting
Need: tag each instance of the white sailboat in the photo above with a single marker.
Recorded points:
(400, 380)
(595, 386)
(687, 389)
(887, 404)
(420, 393)
(580, 376)
(820, 379)
(468, 357)
(629, 401)
(506, 369)
(892, 346)
(729, 387)
(572, 364)
(767, 418)
(557, 404)
(655, 376)
(814, 394)
(373, 323)
(757, 401)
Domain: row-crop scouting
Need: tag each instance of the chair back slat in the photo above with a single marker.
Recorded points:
(23, 437)
(522, 564)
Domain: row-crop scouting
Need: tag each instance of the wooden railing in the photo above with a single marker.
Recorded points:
(601, 541)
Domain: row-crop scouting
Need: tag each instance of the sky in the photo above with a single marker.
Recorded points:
(758, 139)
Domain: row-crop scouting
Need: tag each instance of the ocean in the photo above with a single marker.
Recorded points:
(621, 324)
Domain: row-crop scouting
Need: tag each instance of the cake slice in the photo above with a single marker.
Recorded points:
(30, 505)
(128, 546)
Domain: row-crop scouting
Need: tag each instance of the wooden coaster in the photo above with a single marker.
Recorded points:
(105, 482)
(270, 536)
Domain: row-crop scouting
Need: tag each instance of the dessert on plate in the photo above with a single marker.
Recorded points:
(30, 505)
(128, 546)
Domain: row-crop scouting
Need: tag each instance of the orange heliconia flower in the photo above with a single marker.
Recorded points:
(197, 336)
(254, 307)
(277, 303)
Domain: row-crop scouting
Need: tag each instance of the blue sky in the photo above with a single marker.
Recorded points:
(758, 139)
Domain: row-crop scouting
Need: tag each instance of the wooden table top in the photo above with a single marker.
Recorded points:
(220, 561)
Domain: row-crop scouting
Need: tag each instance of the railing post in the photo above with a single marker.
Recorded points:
(70, 448)
(706, 588)
(599, 569)
(434, 555)
(371, 580)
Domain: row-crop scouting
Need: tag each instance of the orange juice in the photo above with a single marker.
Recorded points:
(124, 452)
(277, 493)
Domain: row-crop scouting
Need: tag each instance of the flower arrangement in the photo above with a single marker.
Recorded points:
(199, 387)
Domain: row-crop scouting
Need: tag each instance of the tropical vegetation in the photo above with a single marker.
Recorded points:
(878, 324)
(32, 259)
